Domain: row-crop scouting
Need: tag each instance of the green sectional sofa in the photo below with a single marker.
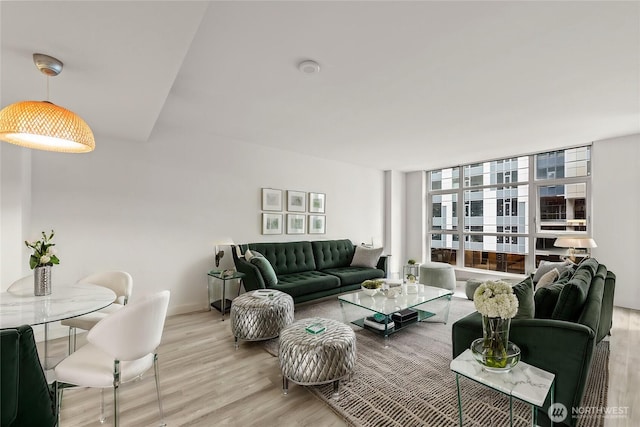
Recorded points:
(307, 270)
(572, 316)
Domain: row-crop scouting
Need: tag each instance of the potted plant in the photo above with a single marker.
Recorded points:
(370, 287)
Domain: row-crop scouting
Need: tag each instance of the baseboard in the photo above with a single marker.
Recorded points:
(186, 308)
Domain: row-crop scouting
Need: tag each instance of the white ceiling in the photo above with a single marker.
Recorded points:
(403, 85)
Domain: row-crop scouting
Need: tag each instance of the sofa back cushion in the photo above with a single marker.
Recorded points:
(332, 253)
(592, 308)
(546, 299)
(574, 294)
(287, 257)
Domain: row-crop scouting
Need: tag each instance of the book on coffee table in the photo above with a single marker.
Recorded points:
(373, 322)
(404, 315)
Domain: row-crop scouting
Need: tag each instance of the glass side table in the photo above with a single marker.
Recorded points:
(411, 273)
(524, 382)
(222, 305)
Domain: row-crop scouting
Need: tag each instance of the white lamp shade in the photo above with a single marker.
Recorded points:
(575, 242)
(223, 241)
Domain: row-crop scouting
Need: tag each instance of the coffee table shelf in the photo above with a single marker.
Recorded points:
(422, 315)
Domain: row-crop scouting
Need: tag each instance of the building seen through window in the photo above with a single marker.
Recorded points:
(509, 215)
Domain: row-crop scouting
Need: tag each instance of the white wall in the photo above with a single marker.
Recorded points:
(616, 203)
(154, 209)
(15, 205)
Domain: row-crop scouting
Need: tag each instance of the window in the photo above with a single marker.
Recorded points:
(502, 201)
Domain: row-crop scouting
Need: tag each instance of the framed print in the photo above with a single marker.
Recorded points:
(271, 223)
(271, 199)
(295, 224)
(316, 202)
(317, 224)
(296, 201)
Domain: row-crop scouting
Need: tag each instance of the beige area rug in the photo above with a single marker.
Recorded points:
(409, 383)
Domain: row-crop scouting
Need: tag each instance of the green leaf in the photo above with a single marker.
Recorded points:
(33, 262)
(54, 259)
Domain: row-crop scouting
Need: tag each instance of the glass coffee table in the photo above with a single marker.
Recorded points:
(388, 315)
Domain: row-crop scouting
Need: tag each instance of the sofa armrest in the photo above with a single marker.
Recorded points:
(562, 348)
(253, 278)
(382, 263)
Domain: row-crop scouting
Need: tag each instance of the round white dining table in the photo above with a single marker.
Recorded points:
(20, 307)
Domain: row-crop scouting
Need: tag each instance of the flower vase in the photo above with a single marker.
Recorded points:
(42, 280)
(495, 342)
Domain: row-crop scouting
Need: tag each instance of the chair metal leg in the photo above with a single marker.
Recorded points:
(157, 375)
(58, 402)
(72, 339)
(102, 416)
(116, 384)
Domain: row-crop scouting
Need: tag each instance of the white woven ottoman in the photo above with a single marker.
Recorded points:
(313, 359)
(438, 274)
(260, 318)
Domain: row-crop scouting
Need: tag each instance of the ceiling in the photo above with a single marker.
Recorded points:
(403, 85)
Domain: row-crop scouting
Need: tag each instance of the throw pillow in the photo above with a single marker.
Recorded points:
(548, 278)
(545, 300)
(524, 293)
(266, 269)
(248, 254)
(366, 257)
(546, 266)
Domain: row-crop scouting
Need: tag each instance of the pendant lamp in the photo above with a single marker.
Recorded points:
(42, 125)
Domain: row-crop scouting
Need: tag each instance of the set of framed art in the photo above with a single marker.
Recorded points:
(302, 212)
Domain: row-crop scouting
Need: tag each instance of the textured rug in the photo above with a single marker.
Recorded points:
(409, 383)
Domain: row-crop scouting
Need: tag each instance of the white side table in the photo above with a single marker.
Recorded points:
(524, 382)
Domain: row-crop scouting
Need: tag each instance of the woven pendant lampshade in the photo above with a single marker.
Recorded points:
(43, 125)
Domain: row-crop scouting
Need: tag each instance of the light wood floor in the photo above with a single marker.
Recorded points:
(205, 382)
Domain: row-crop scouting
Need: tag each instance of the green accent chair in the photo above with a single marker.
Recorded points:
(25, 397)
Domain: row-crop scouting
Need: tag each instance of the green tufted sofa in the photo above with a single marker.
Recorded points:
(308, 270)
(584, 302)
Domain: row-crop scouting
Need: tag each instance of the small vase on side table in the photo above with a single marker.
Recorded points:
(42, 280)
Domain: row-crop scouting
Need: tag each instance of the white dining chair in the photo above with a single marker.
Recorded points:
(119, 282)
(121, 347)
(22, 286)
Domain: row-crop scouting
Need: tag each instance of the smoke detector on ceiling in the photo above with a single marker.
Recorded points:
(309, 67)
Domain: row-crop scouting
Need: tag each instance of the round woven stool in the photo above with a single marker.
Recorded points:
(312, 359)
(256, 318)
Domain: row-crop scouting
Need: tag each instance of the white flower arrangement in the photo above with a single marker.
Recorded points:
(496, 299)
(44, 252)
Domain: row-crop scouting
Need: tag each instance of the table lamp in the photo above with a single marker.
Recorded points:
(225, 241)
(573, 242)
